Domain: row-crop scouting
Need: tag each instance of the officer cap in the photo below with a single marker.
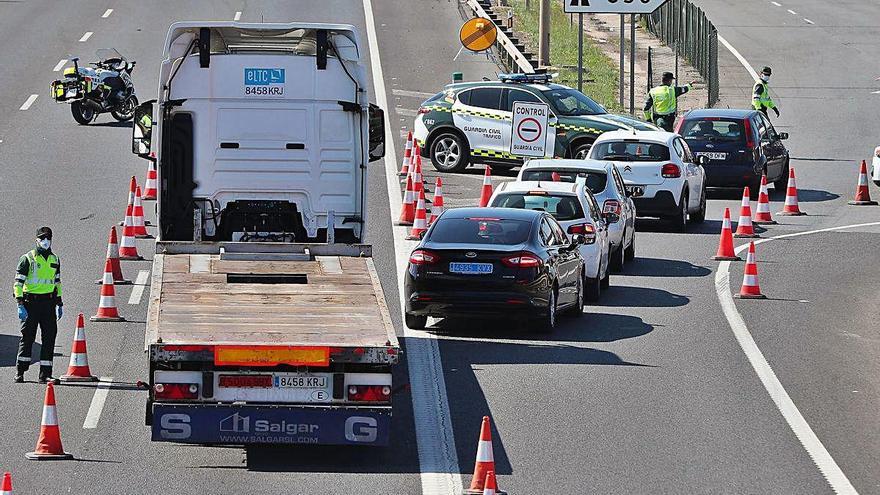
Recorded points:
(44, 233)
(766, 70)
(668, 76)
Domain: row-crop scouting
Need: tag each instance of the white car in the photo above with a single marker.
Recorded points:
(665, 178)
(875, 167)
(577, 211)
(604, 181)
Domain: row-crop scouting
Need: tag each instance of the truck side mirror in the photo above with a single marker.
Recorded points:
(377, 133)
(142, 130)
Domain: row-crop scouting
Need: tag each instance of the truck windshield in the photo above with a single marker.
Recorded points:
(570, 102)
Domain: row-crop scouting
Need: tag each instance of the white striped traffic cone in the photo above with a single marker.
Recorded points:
(486, 192)
(418, 179)
(420, 222)
(863, 194)
(128, 248)
(437, 203)
(725, 244)
(78, 370)
(151, 183)
(485, 459)
(744, 227)
(49, 443)
(6, 488)
(107, 305)
(491, 485)
(791, 208)
(137, 217)
(762, 212)
(129, 208)
(408, 207)
(750, 288)
(407, 155)
(113, 256)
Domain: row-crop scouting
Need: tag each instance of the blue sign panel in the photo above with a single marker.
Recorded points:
(263, 77)
(270, 425)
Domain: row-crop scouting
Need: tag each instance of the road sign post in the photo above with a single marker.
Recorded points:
(528, 137)
(581, 52)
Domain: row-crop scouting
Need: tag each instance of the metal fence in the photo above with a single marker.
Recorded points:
(685, 27)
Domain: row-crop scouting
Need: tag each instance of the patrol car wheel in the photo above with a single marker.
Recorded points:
(581, 150)
(450, 153)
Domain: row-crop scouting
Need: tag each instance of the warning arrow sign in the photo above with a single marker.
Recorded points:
(529, 136)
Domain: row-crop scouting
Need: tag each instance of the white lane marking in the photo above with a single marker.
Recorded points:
(438, 459)
(27, 103)
(86, 36)
(742, 60)
(792, 12)
(140, 283)
(798, 424)
(107, 13)
(97, 405)
(411, 94)
(237, 16)
(875, 92)
(777, 4)
(406, 112)
(59, 65)
(808, 21)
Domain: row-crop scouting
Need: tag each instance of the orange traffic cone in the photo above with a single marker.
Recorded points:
(762, 213)
(151, 183)
(128, 249)
(408, 209)
(113, 256)
(750, 288)
(485, 459)
(137, 217)
(418, 180)
(744, 226)
(491, 485)
(863, 194)
(486, 193)
(437, 203)
(407, 155)
(420, 223)
(790, 208)
(78, 370)
(107, 305)
(129, 208)
(725, 244)
(6, 488)
(49, 444)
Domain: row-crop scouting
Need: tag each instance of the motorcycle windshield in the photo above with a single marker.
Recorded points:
(104, 54)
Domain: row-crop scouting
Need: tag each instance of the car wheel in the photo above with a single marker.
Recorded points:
(781, 184)
(548, 322)
(578, 308)
(679, 220)
(700, 215)
(450, 153)
(629, 253)
(593, 288)
(415, 322)
(580, 151)
(617, 258)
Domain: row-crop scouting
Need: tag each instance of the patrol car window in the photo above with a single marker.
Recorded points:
(595, 181)
(562, 208)
(630, 151)
(570, 102)
(486, 98)
(713, 129)
(480, 231)
(515, 95)
(465, 97)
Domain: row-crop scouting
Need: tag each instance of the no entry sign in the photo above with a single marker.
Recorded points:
(529, 136)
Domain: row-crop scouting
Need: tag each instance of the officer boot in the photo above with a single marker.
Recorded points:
(46, 375)
(19, 373)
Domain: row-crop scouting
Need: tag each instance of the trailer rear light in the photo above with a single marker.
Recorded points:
(423, 257)
(670, 171)
(585, 229)
(176, 391)
(522, 260)
(245, 381)
(369, 393)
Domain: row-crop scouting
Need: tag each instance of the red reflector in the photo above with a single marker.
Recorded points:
(369, 393)
(423, 298)
(176, 391)
(423, 257)
(522, 260)
(515, 301)
(246, 381)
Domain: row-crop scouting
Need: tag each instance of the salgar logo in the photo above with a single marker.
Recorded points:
(236, 423)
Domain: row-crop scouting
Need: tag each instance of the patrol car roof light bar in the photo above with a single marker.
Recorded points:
(525, 78)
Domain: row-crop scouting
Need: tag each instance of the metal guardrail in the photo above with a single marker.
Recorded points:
(512, 55)
(683, 26)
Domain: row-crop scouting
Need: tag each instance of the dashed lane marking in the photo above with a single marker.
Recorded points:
(435, 442)
(140, 283)
(808, 21)
(107, 13)
(777, 4)
(86, 37)
(411, 94)
(836, 478)
(27, 103)
(792, 12)
(97, 405)
(237, 16)
(406, 112)
(59, 65)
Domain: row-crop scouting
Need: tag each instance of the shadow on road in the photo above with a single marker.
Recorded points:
(127, 124)
(659, 267)
(9, 351)
(626, 296)
(659, 226)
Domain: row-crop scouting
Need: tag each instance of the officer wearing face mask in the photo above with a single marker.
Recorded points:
(761, 96)
(37, 290)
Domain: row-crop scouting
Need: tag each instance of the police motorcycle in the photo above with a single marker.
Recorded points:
(103, 87)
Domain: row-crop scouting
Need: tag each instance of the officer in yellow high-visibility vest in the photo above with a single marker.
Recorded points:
(761, 99)
(662, 104)
(37, 290)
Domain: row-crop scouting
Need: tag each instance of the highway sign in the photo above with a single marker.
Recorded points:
(529, 136)
(611, 6)
(478, 34)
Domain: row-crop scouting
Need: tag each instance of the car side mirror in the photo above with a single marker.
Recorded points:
(783, 136)
(142, 130)
(577, 240)
(703, 160)
(377, 133)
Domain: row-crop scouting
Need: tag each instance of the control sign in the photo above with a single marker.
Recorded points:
(611, 6)
(529, 136)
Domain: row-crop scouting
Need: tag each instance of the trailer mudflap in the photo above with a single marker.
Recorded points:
(271, 424)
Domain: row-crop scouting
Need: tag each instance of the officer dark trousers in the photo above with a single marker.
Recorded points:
(41, 311)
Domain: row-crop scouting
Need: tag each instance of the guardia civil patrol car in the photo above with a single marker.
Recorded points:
(471, 122)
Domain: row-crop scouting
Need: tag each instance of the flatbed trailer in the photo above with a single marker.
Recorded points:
(268, 343)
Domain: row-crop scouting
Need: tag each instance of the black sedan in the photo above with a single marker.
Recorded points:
(498, 262)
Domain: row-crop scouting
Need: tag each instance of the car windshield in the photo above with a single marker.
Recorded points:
(713, 129)
(562, 208)
(595, 181)
(630, 151)
(480, 230)
(571, 103)
(108, 54)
